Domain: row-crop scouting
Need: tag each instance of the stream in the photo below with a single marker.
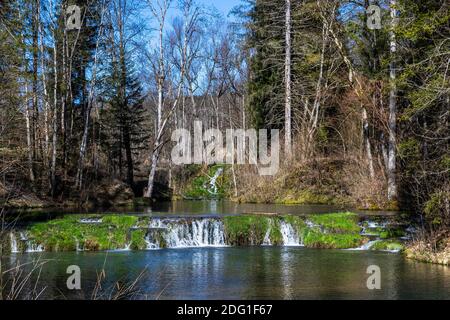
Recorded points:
(196, 262)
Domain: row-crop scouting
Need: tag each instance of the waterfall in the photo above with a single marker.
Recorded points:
(267, 241)
(364, 247)
(212, 182)
(204, 232)
(14, 247)
(185, 233)
(29, 245)
(289, 234)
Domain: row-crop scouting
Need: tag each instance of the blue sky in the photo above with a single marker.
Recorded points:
(224, 6)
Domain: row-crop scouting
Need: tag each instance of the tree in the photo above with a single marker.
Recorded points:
(124, 118)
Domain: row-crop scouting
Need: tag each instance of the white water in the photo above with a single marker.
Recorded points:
(364, 247)
(14, 247)
(213, 181)
(203, 232)
(289, 234)
(267, 241)
(31, 246)
(186, 233)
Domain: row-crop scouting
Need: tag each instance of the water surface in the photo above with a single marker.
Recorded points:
(248, 273)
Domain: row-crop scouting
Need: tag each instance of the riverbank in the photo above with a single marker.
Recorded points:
(424, 251)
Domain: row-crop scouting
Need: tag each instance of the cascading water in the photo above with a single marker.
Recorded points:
(28, 245)
(289, 234)
(14, 247)
(204, 232)
(185, 233)
(213, 182)
(190, 232)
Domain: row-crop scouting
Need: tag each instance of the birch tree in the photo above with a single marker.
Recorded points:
(287, 79)
(392, 144)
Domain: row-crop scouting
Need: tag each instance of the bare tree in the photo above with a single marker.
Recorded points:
(287, 79)
(91, 100)
(392, 145)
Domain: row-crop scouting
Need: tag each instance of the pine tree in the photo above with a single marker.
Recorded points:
(124, 116)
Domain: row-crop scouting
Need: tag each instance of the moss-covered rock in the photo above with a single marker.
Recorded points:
(246, 230)
(313, 238)
(64, 234)
(337, 222)
(390, 245)
(199, 186)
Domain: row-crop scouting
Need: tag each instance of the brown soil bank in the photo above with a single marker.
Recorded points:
(426, 252)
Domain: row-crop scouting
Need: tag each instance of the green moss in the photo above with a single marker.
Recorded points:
(138, 240)
(387, 245)
(316, 239)
(246, 230)
(158, 237)
(392, 233)
(198, 187)
(337, 222)
(120, 221)
(63, 234)
(297, 222)
(276, 238)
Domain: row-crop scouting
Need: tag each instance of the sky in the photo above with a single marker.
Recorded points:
(224, 6)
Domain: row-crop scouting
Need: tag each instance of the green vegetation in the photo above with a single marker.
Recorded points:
(337, 222)
(112, 232)
(334, 231)
(316, 239)
(389, 245)
(246, 230)
(297, 222)
(199, 187)
(138, 240)
(63, 234)
(391, 233)
(275, 235)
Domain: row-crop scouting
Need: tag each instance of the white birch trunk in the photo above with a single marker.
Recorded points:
(287, 78)
(392, 143)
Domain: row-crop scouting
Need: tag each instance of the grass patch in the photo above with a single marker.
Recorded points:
(276, 238)
(337, 222)
(246, 230)
(316, 239)
(138, 240)
(63, 234)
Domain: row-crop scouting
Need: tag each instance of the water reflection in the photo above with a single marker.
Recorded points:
(249, 273)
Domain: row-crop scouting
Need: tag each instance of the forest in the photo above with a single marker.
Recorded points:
(91, 91)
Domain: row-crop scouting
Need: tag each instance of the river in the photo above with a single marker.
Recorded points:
(265, 272)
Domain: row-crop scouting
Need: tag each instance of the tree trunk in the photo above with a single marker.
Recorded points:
(151, 178)
(29, 140)
(55, 117)
(287, 79)
(367, 144)
(392, 144)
